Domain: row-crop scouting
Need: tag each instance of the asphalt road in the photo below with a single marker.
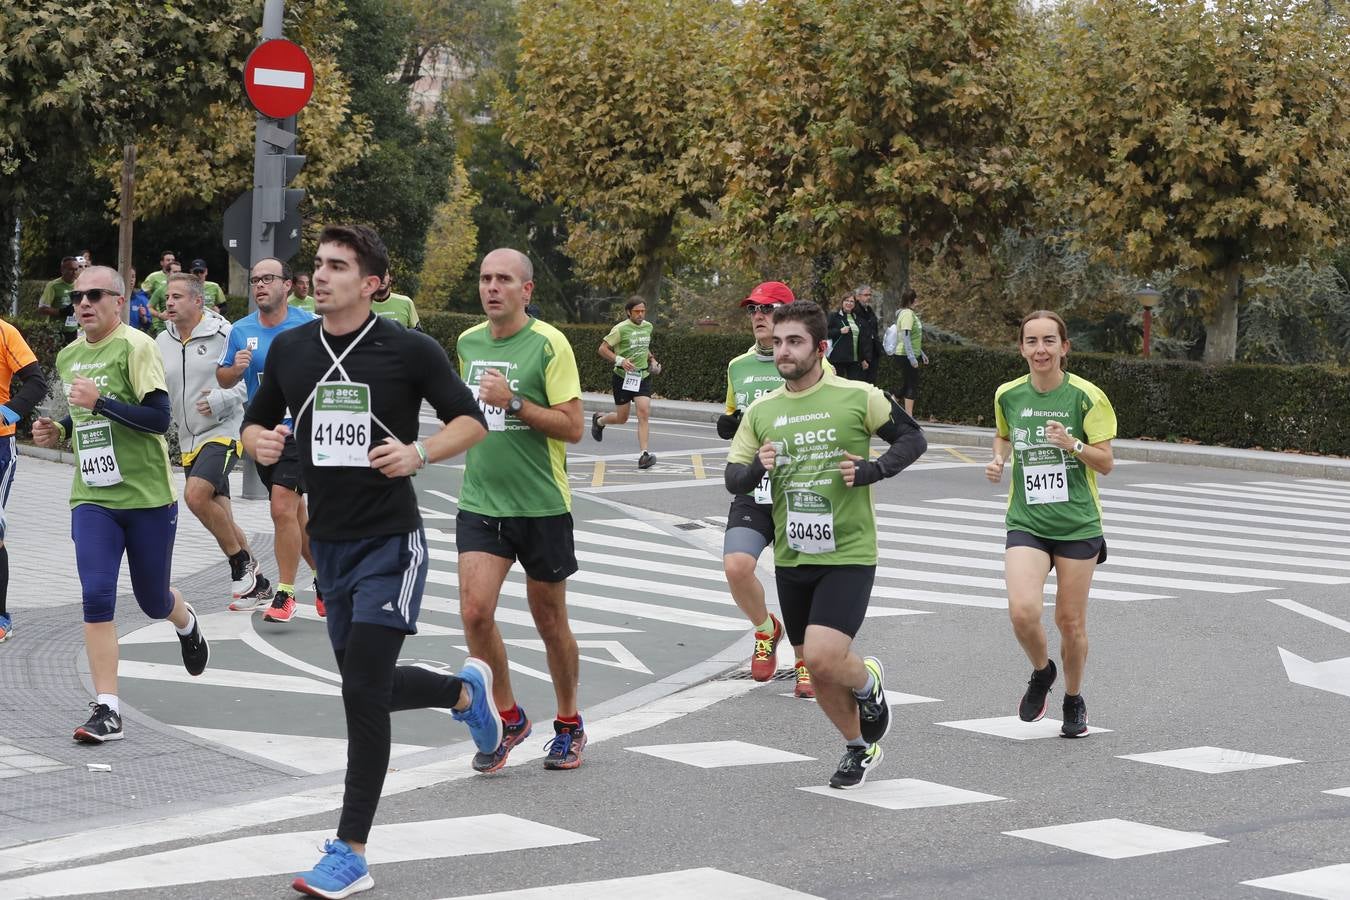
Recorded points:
(1219, 678)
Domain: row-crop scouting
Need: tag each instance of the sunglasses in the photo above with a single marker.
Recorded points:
(93, 295)
(764, 309)
(264, 279)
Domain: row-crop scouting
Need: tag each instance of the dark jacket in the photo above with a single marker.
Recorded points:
(842, 350)
(869, 335)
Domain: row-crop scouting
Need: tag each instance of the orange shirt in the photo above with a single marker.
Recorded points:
(15, 355)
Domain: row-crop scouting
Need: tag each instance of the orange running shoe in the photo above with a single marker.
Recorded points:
(764, 662)
(804, 690)
(282, 609)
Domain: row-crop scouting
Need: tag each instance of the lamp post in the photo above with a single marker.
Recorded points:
(1148, 297)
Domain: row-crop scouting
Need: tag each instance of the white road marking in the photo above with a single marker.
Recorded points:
(719, 754)
(1210, 760)
(1014, 728)
(681, 885)
(300, 751)
(1116, 838)
(203, 823)
(227, 678)
(280, 854)
(1325, 882)
(904, 793)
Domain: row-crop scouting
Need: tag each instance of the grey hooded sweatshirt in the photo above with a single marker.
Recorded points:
(190, 369)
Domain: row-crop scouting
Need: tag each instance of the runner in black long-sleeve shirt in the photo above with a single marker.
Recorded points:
(355, 384)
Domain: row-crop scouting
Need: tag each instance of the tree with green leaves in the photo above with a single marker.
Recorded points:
(79, 76)
(862, 134)
(615, 110)
(452, 242)
(1208, 138)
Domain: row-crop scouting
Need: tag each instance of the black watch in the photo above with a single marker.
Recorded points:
(516, 405)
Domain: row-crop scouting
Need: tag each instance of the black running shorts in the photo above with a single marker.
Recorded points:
(543, 544)
(1084, 549)
(833, 596)
(286, 471)
(213, 464)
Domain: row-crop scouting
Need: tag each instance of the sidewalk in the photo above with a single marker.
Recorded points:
(1300, 465)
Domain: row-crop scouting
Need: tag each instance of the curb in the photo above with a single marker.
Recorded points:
(1300, 465)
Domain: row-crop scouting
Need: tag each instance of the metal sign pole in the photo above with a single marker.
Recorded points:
(262, 229)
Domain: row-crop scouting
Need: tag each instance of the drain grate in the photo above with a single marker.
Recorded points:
(744, 675)
(690, 526)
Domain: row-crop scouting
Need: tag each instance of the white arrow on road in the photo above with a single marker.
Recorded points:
(623, 658)
(1332, 675)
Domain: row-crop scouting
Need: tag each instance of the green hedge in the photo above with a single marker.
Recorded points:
(1272, 407)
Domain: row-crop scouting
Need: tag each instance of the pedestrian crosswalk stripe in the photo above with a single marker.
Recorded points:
(920, 516)
(1166, 508)
(918, 527)
(1116, 838)
(1304, 489)
(1210, 760)
(682, 885)
(635, 586)
(506, 615)
(1166, 520)
(633, 547)
(719, 754)
(1127, 562)
(914, 595)
(281, 854)
(678, 615)
(1171, 497)
(905, 793)
(305, 752)
(1326, 882)
(227, 678)
(1279, 500)
(920, 576)
(1340, 486)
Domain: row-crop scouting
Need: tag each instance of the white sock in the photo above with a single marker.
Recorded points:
(192, 622)
(110, 701)
(868, 689)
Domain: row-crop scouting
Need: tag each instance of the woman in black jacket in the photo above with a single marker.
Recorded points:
(844, 333)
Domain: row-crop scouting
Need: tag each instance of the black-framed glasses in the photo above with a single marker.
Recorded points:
(256, 280)
(93, 295)
(763, 308)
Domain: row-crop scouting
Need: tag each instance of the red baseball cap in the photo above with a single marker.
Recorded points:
(769, 292)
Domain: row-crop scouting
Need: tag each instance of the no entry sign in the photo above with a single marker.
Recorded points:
(279, 78)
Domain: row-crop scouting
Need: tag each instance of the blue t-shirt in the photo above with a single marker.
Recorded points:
(250, 334)
(140, 311)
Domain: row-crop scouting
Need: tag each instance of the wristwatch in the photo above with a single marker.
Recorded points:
(516, 405)
(1077, 447)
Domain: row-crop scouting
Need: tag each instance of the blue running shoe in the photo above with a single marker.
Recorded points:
(341, 873)
(481, 715)
(6, 627)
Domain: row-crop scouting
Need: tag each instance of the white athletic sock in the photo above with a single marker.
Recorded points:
(110, 701)
(868, 689)
(192, 621)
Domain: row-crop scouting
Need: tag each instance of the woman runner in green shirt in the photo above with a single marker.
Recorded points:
(1056, 429)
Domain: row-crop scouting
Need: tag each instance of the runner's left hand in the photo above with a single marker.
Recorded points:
(394, 459)
(848, 467)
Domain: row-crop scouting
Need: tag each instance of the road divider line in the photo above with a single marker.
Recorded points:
(598, 476)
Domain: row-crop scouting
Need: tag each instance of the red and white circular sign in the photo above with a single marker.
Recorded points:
(279, 78)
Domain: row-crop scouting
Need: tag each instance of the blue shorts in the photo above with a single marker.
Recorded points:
(9, 460)
(375, 581)
(102, 535)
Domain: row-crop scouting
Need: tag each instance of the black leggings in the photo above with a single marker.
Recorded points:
(373, 686)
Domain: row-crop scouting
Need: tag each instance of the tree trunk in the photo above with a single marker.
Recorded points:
(125, 224)
(649, 285)
(1221, 323)
(895, 269)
